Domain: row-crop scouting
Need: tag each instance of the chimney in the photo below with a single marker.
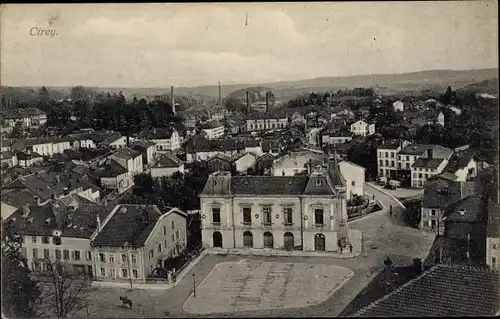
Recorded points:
(248, 103)
(172, 99)
(98, 223)
(429, 153)
(26, 210)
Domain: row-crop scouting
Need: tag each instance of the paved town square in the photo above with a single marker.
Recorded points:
(259, 285)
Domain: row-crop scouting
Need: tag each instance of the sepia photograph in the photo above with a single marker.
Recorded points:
(250, 160)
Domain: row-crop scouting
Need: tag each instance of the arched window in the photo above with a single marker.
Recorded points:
(268, 240)
(247, 239)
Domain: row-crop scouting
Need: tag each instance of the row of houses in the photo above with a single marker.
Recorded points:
(126, 242)
(27, 118)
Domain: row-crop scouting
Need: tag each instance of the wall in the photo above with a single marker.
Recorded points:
(82, 245)
(245, 162)
(356, 174)
(119, 143)
(426, 218)
(493, 252)
(165, 171)
(463, 172)
(164, 235)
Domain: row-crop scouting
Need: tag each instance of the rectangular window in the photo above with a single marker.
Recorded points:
(419, 175)
(35, 253)
(159, 249)
(135, 273)
(392, 155)
(353, 183)
(103, 272)
(101, 257)
(58, 254)
(66, 254)
(173, 237)
(407, 165)
(215, 216)
(433, 212)
(392, 163)
(247, 215)
(124, 258)
(151, 254)
(407, 158)
(386, 154)
(45, 240)
(124, 273)
(318, 217)
(386, 163)
(89, 255)
(56, 240)
(112, 273)
(173, 224)
(267, 214)
(493, 262)
(76, 253)
(381, 163)
(33, 239)
(134, 259)
(164, 230)
(111, 258)
(287, 214)
(433, 223)
(177, 235)
(46, 254)
(165, 244)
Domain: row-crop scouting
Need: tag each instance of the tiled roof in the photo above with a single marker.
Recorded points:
(110, 169)
(459, 161)
(211, 125)
(440, 193)
(131, 224)
(18, 197)
(268, 185)
(318, 185)
(432, 163)
(7, 155)
(78, 222)
(106, 138)
(237, 156)
(142, 145)
(445, 175)
(167, 161)
(158, 134)
(442, 291)
(219, 156)
(22, 156)
(389, 145)
(472, 208)
(416, 149)
(126, 153)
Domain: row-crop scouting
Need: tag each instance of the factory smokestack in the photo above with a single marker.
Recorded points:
(248, 103)
(172, 99)
(267, 102)
(220, 96)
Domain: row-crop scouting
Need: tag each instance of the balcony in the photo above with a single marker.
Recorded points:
(319, 226)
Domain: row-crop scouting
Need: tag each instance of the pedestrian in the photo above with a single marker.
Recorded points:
(350, 248)
(341, 249)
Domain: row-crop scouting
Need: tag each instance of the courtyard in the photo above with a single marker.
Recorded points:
(261, 285)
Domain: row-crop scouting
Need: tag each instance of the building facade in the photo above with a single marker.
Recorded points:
(276, 212)
(362, 128)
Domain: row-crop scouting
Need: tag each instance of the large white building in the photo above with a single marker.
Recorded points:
(362, 128)
(277, 212)
(213, 129)
(264, 121)
(387, 158)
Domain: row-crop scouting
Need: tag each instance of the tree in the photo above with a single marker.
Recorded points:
(21, 295)
(67, 287)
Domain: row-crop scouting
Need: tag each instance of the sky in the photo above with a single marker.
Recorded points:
(158, 45)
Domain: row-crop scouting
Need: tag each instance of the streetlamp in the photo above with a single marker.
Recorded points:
(128, 263)
(194, 286)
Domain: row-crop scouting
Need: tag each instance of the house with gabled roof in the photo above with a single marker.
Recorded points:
(113, 175)
(134, 240)
(244, 161)
(58, 230)
(306, 212)
(166, 166)
(442, 291)
(213, 129)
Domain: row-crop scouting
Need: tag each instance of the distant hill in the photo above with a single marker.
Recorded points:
(434, 80)
(489, 86)
(257, 93)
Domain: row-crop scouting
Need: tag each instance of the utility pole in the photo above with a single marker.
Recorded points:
(194, 286)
